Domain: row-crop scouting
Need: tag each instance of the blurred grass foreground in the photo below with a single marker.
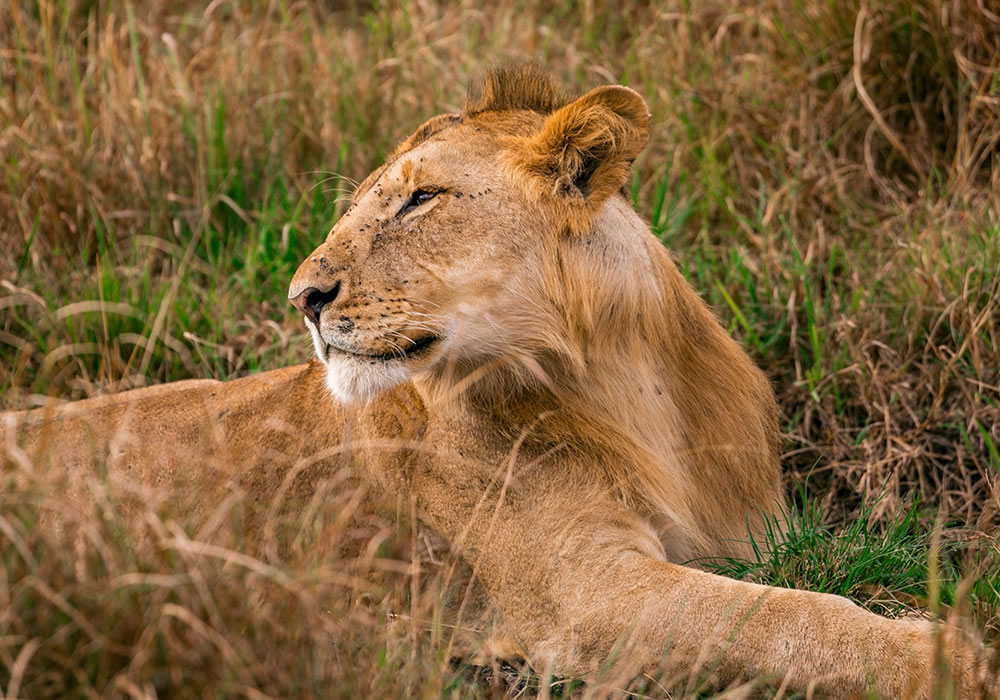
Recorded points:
(826, 173)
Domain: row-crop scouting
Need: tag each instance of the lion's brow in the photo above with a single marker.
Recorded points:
(432, 127)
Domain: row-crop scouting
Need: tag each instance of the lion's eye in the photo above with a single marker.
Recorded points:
(418, 198)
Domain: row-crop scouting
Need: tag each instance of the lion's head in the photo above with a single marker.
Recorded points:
(451, 254)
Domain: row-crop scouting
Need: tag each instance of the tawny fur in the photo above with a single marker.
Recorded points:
(579, 428)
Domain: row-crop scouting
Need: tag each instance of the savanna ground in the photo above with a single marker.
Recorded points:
(827, 174)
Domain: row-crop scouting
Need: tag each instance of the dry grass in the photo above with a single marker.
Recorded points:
(158, 603)
(826, 172)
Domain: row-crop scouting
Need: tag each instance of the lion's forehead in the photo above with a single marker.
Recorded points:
(456, 143)
(462, 171)
(400, 162)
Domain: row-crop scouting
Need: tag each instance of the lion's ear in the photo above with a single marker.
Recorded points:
(585, 149)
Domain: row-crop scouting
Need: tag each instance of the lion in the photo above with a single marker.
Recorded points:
(499, 337)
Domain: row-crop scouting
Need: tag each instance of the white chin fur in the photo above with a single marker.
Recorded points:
(351, 379)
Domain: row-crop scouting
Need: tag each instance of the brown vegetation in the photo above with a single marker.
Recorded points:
(826, 174)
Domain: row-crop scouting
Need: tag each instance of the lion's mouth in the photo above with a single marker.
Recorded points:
(416, 348)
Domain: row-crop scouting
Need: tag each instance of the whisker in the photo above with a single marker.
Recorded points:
(416, 301)
(421, 326)
(418, 313)
(396, 349)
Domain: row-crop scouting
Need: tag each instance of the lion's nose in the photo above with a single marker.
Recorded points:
(311, 301)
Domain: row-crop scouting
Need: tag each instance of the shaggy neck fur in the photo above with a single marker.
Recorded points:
(633, 371)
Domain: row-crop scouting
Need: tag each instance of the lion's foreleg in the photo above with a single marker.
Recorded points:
(594, 595)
